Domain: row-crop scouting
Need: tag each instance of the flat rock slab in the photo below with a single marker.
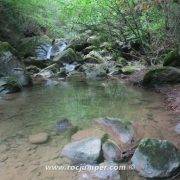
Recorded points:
(120, 132)
(156, 158)
(91, 132)
(84, 151)
(105, 171)
(38, 138)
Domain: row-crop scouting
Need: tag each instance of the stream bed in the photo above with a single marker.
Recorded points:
(39, 108)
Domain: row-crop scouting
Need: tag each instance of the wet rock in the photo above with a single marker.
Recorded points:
(36, 46)
(68, 56)
(164, 75)
(121, 133)
(94, 71)
(104, 172)
(51, 82)
(76, 77)
(156, 158)
(64, 125)
(172, 59)
(177, 128)
(9, 85)
(38, 138)
(45, 74)
(33, 69)
(111, 151)
(84, 151)
(91, 132)
(32, 61)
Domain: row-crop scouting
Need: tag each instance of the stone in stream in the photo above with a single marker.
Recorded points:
(38, 138)
(156, 158)
(64, 125)
(105, 171)
(121, 133)
(111, 151)
(86, 151)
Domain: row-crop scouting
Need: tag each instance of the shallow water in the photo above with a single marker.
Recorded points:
(38, 109)
(41, 107)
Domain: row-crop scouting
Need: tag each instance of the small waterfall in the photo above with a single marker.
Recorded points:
(49, 53)
(69, 67)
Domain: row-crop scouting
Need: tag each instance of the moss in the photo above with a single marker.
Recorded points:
(28, 45)
(172, 59)
(164, 75)
(5, 46)
(68, 56)
(159, 153)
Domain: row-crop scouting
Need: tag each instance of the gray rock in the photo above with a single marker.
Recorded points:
(156, 158)
(104, 172)
(121, 133)
(84, 151)
(111, 151)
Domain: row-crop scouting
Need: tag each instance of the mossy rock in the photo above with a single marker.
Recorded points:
(68, 56)
(10, 85)
(128, 70)
(163, 75)
(29, 45)
(156, 158)
(5, 46)
(172, 59)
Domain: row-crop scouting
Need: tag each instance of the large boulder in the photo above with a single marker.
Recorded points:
(105, 171)
(164, 75)
(68, 56)
(11, 66)
(122, 133)
(172, 59)
(36, 46)
(156, 158)
(84, 151)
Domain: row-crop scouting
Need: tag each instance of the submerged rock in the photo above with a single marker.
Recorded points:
(105, 171)
(164, 75)
(111, 151)
(84, 151)
(156, 158)
(64, 125)
(38, 138)
(121, 133)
